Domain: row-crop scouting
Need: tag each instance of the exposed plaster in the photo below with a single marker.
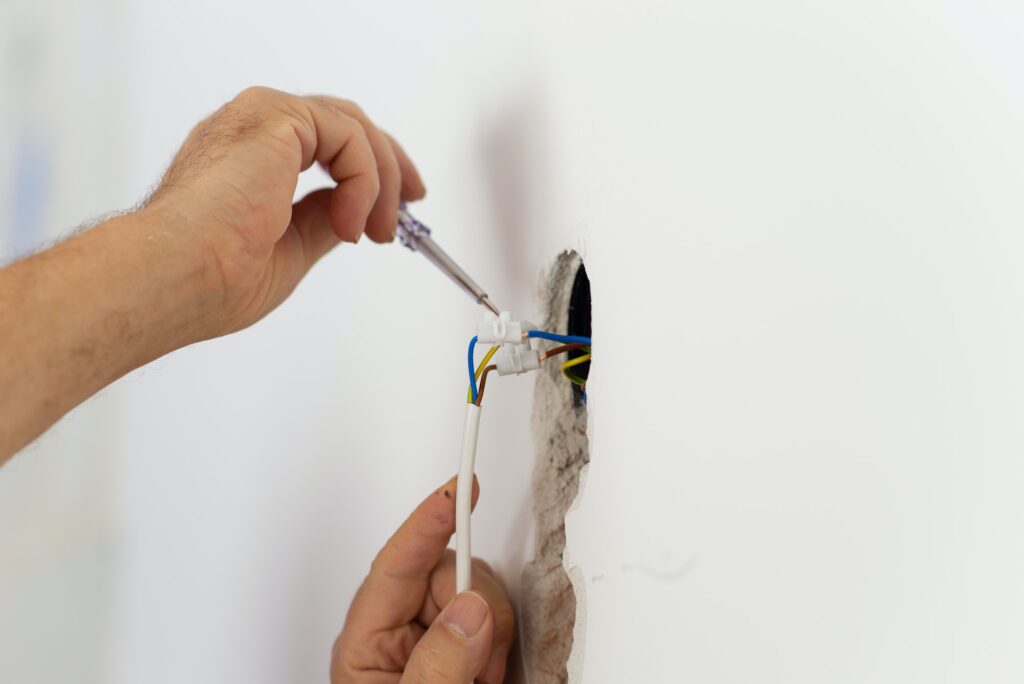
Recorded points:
(552, 602)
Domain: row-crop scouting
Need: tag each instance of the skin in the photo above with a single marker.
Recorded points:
(406, 623)
(217, 246)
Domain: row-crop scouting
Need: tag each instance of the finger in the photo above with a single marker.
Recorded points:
(311, 217)
(456, 648)
(412, 184)
(394, 591)
(488, 585)
(383, 219)
(341, 146)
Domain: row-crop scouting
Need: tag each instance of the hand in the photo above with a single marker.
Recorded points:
(407, 625)
(217, 246)
(231, 185)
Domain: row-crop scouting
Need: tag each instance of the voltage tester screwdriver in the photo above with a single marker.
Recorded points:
(416, 237)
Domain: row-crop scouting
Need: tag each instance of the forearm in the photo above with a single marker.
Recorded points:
(78, 316)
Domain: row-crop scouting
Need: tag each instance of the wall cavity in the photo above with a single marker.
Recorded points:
(550, 605)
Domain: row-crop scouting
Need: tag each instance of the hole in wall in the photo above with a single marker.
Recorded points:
(579, 323)
(559, 424)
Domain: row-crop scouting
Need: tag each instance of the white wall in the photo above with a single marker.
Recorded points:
(60, 155)
(816, 209)
(802, 223)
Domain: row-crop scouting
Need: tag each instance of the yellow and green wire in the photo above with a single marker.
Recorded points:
(480, 369)
(570, 364)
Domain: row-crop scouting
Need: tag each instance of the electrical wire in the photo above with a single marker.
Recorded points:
(472, 375)
(483, 384)
(475, 396)
(482, 376)
(555, 351)
(565, 339)
(479, 370)
(576, 362)
(482, 369)
(575, 379)
(464, 501)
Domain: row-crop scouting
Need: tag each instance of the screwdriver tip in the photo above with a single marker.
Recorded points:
(486, 301)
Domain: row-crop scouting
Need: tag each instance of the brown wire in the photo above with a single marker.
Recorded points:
(483, 383)
(555, 351)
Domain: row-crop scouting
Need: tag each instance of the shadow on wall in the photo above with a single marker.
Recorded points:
(515, 154)
(516, 159)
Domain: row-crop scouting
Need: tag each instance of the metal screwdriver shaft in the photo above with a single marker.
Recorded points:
(416, 237)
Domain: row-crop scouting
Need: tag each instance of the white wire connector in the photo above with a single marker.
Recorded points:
(518, 353)
(517, 358)
(499, 329)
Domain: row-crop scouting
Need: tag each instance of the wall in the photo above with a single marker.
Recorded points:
(818, 480)
(802, 227)
(60, 165)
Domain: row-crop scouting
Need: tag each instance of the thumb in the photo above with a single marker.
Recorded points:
(456, 647)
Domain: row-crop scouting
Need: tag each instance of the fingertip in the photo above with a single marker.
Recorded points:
(351, 205)
(457, 647)
(485, 583)
(468, 615)
(347, 227)
(447, 490)
(382, 224)
(412, 189)
(440, 505)
(311, 217)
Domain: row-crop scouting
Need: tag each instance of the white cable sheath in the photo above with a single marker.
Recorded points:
(464, 501)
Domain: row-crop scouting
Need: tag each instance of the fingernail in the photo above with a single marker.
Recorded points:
(467, 614)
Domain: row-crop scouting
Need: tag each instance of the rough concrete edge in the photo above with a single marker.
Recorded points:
(574, 666)
(553, 619)
(579, 584)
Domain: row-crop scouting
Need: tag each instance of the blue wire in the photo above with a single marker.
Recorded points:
(472, 371)
(564, 339)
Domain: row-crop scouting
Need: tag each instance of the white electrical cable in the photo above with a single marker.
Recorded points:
(464, 501)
